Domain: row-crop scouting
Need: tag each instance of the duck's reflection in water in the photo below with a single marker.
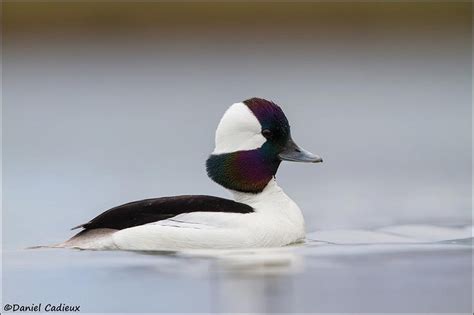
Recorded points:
(240, 280)
(256, 280)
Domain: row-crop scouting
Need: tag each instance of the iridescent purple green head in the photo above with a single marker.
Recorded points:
(252, 139)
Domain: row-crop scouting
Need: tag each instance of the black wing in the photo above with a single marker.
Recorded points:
(152, 210)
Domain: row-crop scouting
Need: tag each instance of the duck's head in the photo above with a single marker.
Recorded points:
(252, 139)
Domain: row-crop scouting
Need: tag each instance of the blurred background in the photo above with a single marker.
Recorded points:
(105, 103)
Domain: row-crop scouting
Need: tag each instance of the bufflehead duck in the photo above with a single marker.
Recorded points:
(252, 139)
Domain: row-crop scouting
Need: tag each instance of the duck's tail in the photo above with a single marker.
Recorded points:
(98, 239)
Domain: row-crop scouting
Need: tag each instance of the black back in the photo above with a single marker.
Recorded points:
(152, 210)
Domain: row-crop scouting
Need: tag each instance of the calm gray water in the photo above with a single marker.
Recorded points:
(357, 276)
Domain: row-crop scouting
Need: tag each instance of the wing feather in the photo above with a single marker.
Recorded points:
(152, 210)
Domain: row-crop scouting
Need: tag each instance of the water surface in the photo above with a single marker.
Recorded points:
(401, 269)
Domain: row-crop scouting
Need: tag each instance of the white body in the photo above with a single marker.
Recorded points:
(277, 221)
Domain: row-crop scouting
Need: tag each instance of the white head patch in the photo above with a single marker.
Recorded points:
(238, 130)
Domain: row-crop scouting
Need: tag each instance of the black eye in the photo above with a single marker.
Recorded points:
(267, 133)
